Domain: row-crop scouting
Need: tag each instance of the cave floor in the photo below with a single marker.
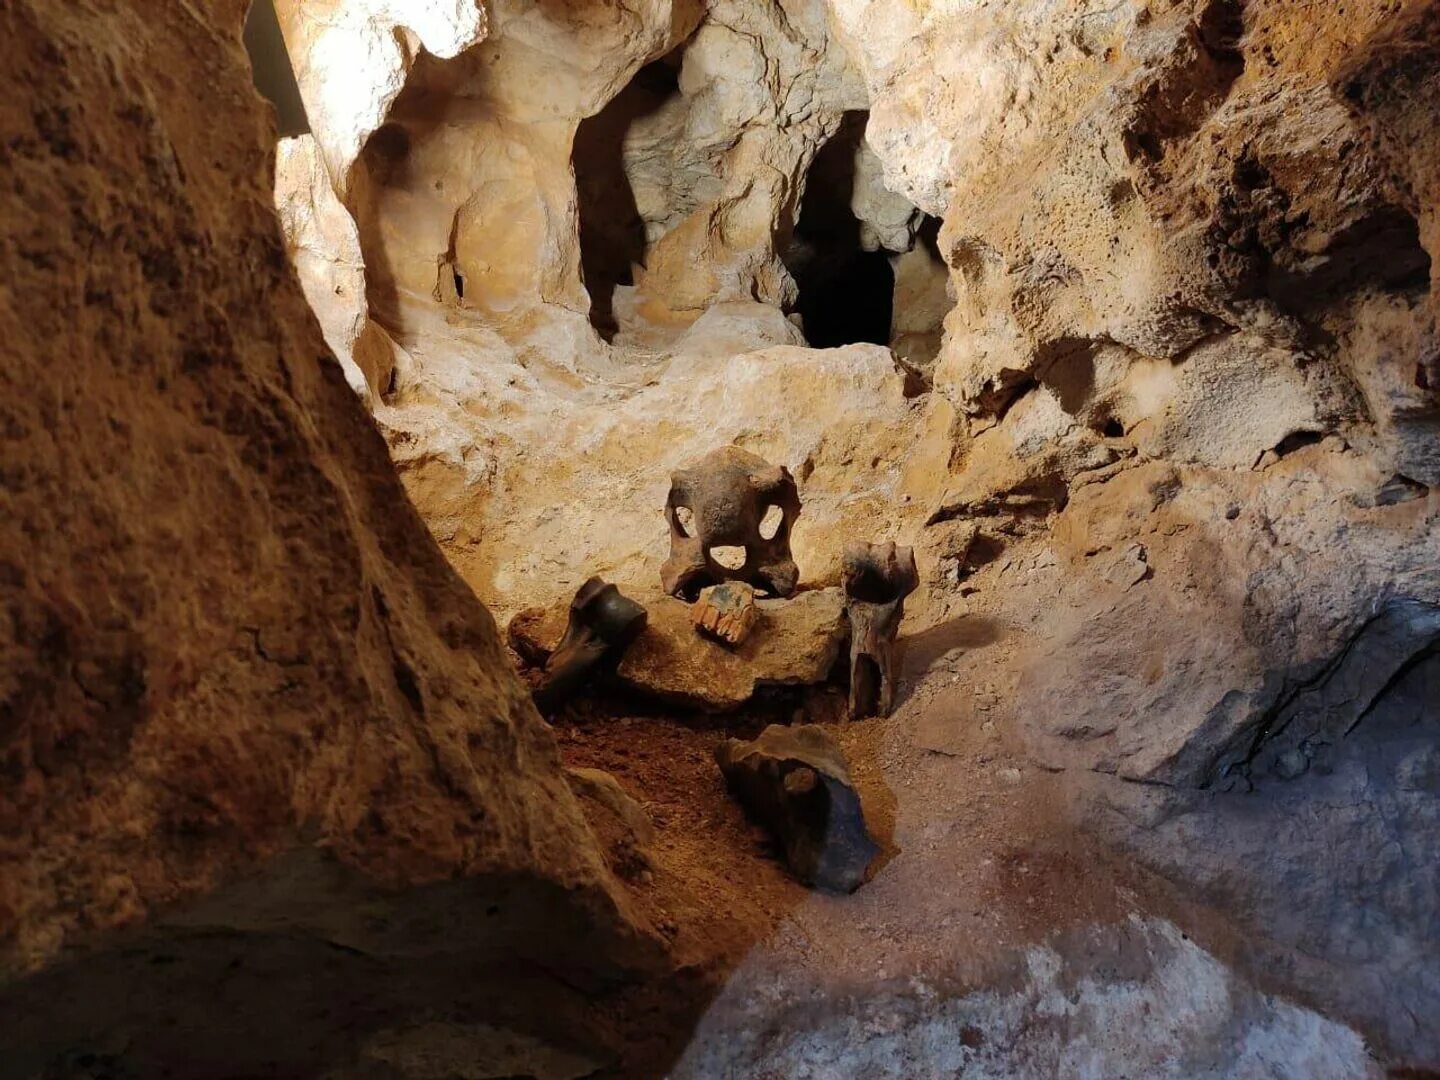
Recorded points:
(977, 861)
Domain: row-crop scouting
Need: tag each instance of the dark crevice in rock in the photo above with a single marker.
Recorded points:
(1297, 440)
(271, 68)
(1401, 637)
(846, 294)
(1401, 673)
(612, 232)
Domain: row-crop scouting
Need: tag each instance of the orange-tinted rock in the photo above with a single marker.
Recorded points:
(225, 635)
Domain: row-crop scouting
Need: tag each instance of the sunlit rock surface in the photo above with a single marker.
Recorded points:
(352, 57)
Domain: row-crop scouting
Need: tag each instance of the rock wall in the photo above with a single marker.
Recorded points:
(517, 426)
(1193, 341)
(247, 710)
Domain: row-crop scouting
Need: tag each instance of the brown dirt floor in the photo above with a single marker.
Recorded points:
(977, 858)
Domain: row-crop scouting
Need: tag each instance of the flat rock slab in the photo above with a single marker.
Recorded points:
(795, 642)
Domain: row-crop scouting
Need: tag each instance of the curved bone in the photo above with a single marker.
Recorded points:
(603, 623)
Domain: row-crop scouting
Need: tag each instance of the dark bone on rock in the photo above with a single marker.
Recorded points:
(794, 781)
(728, 493)
(877, 579)
(603, 623)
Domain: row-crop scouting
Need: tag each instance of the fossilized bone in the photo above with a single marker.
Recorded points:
(877, 579)
(795, 782)
(726, 612)
(727, 493)
(603, 623)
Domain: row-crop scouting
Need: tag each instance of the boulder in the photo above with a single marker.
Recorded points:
(796, 642)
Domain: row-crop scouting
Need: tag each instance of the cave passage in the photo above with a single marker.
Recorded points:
(846, 294)
(271, 69)
(612, 232)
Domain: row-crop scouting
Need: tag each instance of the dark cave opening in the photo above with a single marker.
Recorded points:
(271, 69)
(612, 232)
(846, 294)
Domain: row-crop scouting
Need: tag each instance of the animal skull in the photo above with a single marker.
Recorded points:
(727, 494)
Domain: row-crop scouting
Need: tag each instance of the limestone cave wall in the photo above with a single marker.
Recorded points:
(1124, 315)
(1159, 397)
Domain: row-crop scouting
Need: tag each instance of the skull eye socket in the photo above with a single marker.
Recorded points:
(685, 521)
(771, 522)
(728, 556)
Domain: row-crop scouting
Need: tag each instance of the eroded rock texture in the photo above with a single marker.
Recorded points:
(248, 714)
(1193, 336)
(1177, 441)
(599, 271)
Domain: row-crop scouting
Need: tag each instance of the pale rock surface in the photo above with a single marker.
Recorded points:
(1235, 672)
(922, 300)
(324, 247)
(1136, 174)
(537, 484)
(465, 200)
(721, 166)
(1133, 999)
(352, 57)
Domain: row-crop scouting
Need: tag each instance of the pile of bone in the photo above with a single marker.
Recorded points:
(730, 619)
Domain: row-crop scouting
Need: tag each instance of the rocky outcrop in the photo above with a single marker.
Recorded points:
(494, 274)
(1200, 189)
(1159, 1004)
(247, 711)
(1193, 343)
(324, 247)
(795, 643)
(352, 57)
(485, 448)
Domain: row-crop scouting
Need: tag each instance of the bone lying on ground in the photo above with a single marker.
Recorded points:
(795, 782)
